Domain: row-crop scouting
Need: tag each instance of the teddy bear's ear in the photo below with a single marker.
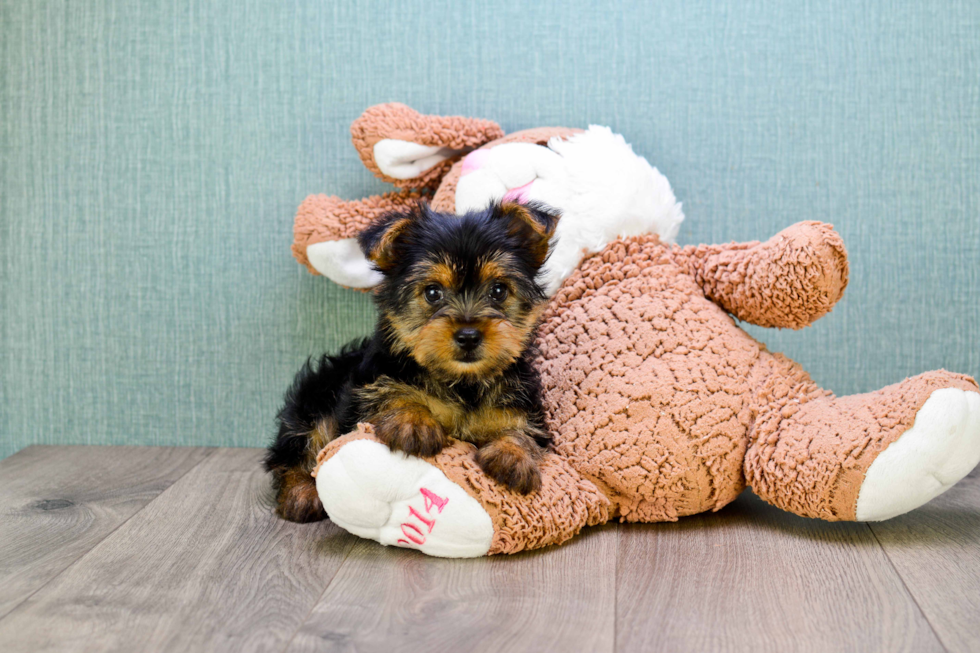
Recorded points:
(380, 241)
(535, 224)
(411, 150)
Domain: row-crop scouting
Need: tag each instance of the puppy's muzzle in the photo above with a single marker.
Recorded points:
(468, 338)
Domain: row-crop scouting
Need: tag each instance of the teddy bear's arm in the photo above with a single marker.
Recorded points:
(411, 150)
(789, 281)
(325, 225)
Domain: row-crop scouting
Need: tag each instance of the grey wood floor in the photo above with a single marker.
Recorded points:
(177, 549)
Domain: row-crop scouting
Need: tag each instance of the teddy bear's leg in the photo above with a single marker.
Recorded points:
(325, 231)
(411, 150)
(865, 457)
(445, 505)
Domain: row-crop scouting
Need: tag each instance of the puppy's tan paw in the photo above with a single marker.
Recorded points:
(413, 431)
(511, 465)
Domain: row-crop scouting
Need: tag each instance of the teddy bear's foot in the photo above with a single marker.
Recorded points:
(400, 500)
(864, 457)
(445, 505)
(941, 448)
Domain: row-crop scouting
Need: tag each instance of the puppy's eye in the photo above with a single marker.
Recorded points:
(433, 294)
(498, 292)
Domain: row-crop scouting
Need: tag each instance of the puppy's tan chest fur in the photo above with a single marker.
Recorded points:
(478, 424)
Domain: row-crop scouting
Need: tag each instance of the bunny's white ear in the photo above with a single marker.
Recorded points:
(343, 262)
(406, 160)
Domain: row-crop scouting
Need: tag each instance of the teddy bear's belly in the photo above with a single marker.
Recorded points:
(647, 392)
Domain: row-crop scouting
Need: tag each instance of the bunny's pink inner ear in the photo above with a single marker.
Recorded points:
(474, 161)
(519, 194)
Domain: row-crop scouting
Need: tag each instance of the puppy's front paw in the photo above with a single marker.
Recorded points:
(413, 431)
(510, 464)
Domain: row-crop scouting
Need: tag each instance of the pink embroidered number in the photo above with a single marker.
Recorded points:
(428, 522)
(411, 530)
(433, 499)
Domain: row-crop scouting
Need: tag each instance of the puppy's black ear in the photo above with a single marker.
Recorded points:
(380, 240)
(534, 224)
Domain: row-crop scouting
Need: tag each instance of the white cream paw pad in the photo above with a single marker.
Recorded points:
(385, 496)
(941, 448)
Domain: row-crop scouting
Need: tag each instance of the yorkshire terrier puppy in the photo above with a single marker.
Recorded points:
(451, 355)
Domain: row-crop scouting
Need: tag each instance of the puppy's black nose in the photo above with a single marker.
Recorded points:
(468, 338)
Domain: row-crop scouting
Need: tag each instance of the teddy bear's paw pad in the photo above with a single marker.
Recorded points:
(941, 448)
(407, 160)
(400, 500)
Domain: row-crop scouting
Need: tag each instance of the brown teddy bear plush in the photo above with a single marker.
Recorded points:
(659, 404)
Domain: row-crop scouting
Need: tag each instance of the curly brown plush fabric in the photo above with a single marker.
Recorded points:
(646, 383)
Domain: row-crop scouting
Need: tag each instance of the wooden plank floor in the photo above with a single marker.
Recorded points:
(167, 549)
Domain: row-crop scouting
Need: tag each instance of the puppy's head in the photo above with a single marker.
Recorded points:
(460, 293)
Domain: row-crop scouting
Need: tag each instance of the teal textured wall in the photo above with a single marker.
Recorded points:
(153, 155)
